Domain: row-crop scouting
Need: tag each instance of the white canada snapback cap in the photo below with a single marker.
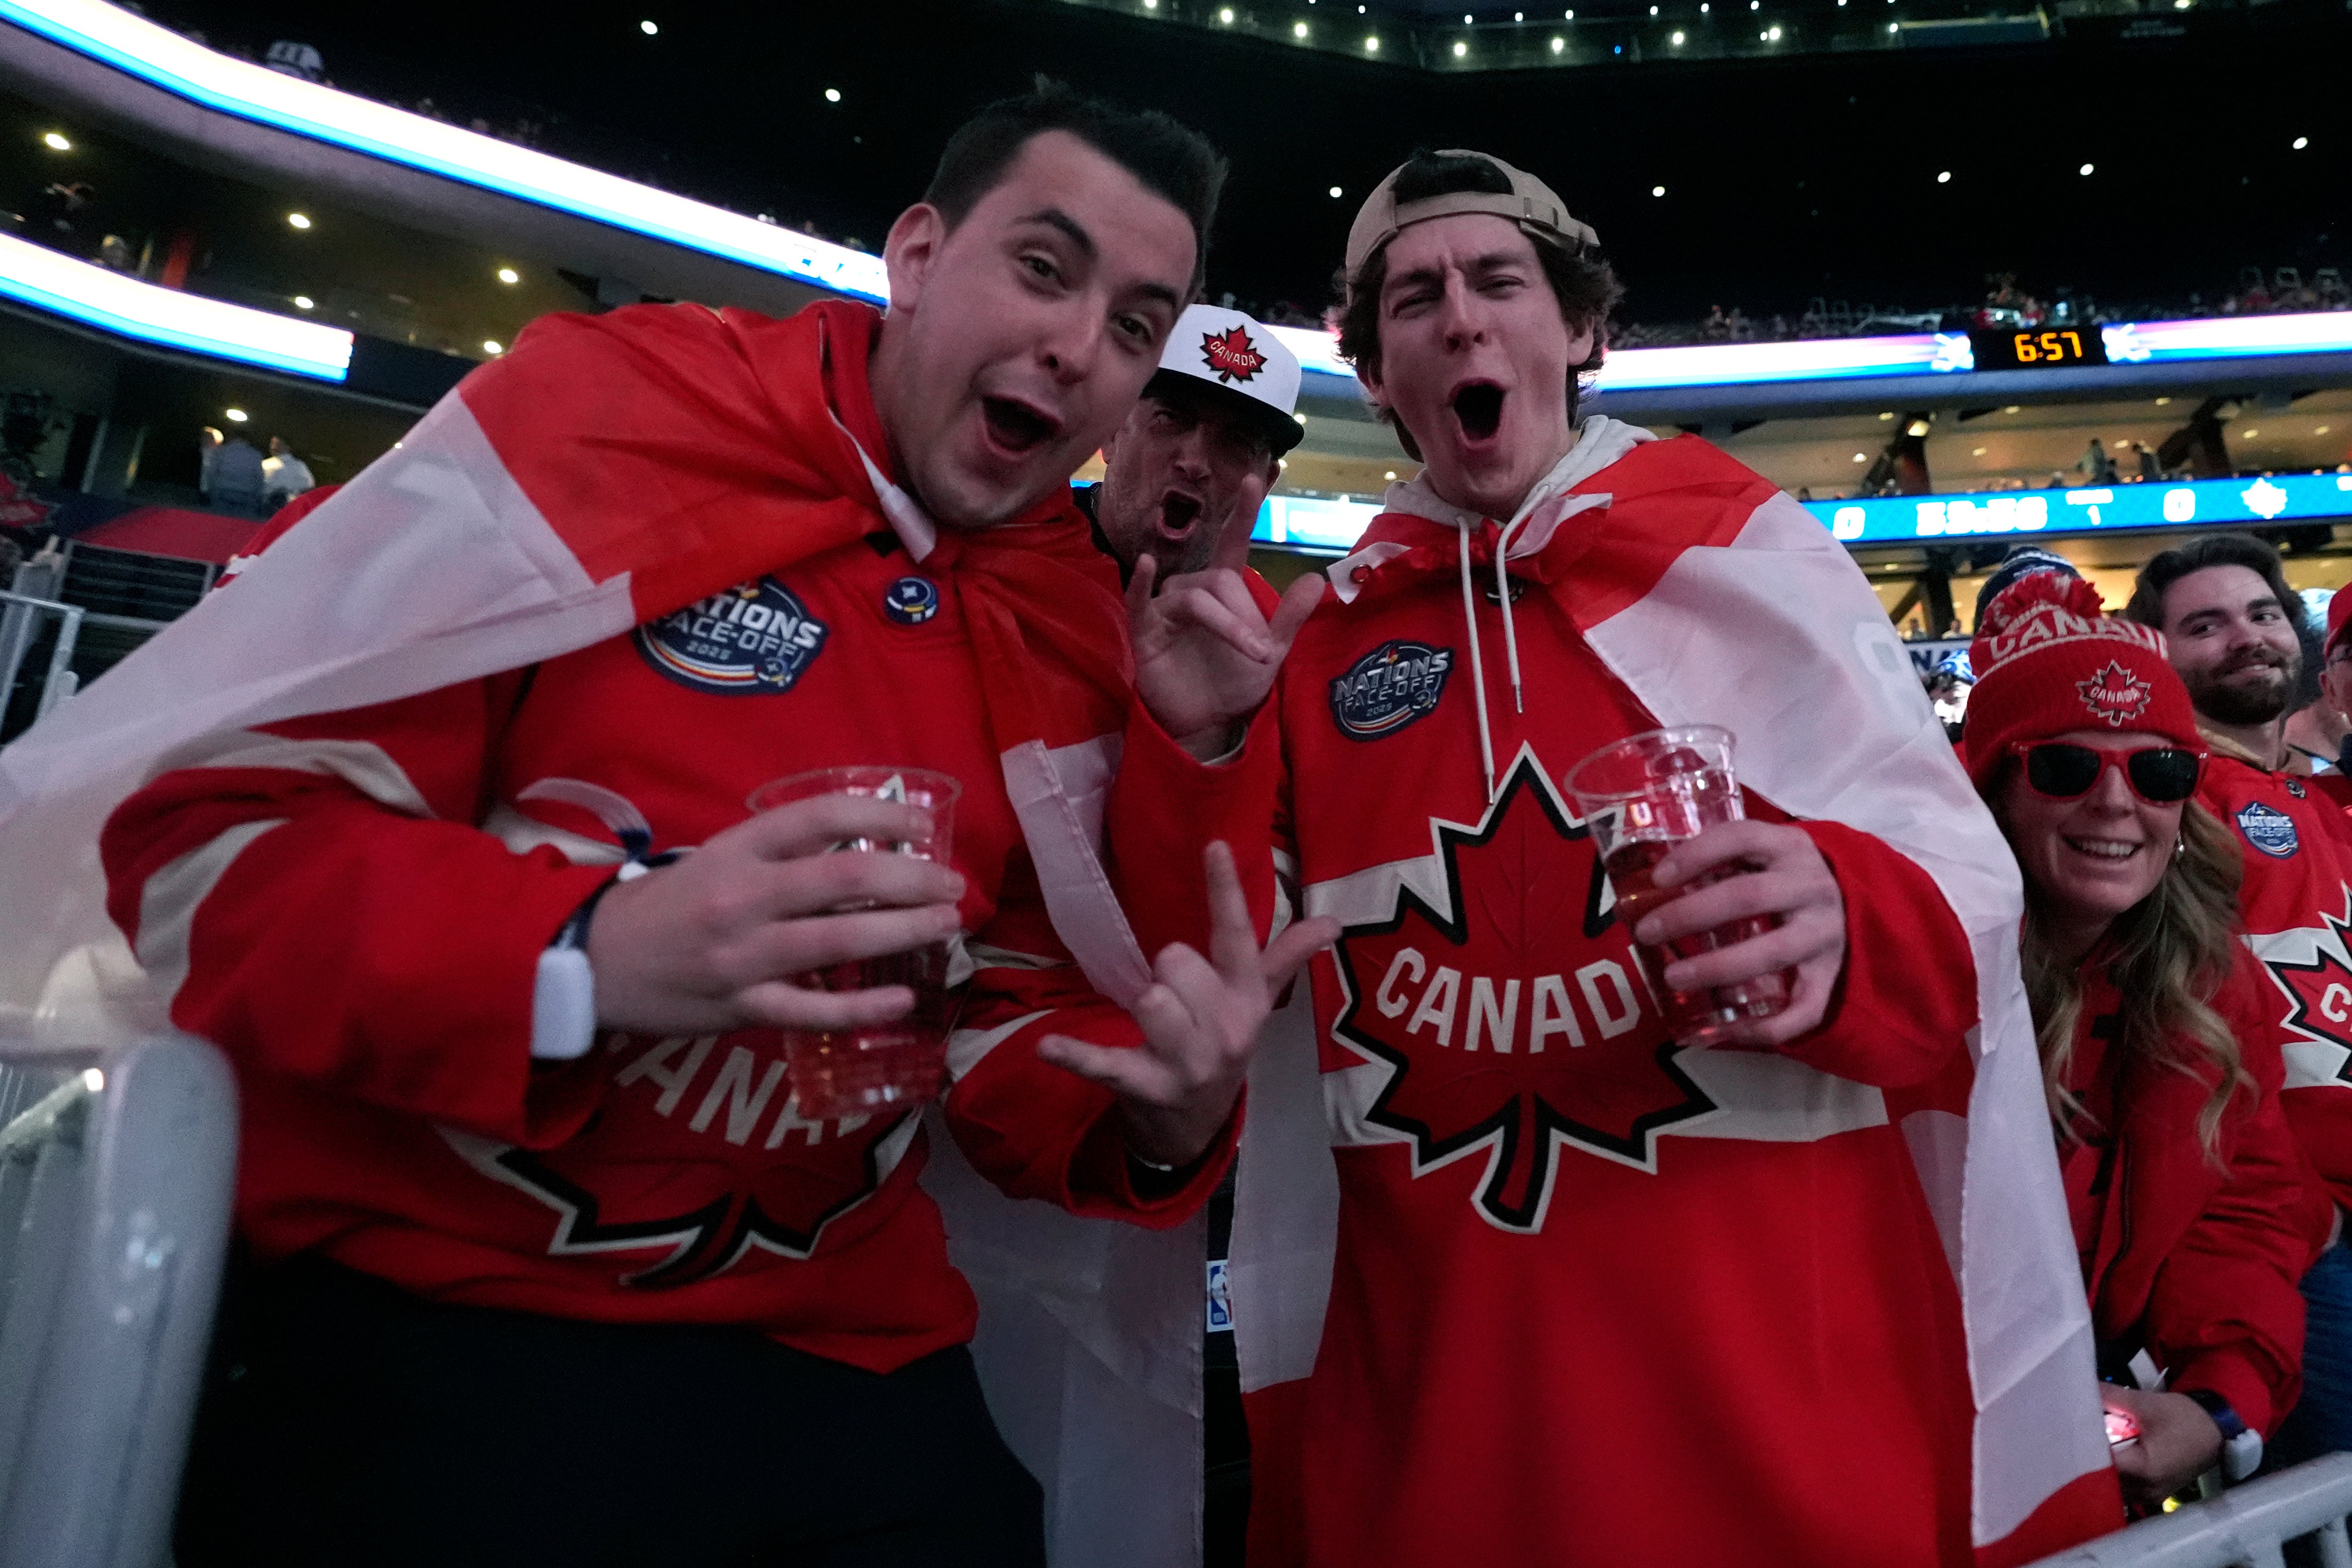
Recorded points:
(1239, 357)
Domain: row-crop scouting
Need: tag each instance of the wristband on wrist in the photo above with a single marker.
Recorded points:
(564, 991)
(2241, 1446)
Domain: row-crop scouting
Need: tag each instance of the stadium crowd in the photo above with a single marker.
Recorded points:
(1603, 1151)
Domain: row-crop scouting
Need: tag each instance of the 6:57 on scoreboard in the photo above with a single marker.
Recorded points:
(2046, 348)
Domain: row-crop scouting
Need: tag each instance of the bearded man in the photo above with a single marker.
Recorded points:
(2229, 619)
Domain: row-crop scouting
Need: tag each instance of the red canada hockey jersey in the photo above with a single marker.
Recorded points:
(1558, 1290)
(352, 904)
(2296, 905)
(2195, 1259)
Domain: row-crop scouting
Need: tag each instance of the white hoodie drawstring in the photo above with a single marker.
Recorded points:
(1477, 668)
(1600, 442)
(1503, 593)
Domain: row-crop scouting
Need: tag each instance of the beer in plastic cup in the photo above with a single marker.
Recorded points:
(1640, 796)
(883, 1067)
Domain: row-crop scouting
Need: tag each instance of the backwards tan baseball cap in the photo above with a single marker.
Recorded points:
(1529, 202)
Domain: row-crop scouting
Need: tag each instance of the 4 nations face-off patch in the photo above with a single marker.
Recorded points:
(1395, 685)
(755, 637)
(2271, 831)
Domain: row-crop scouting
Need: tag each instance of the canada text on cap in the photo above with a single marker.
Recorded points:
(1238, 357)
(1529, 202)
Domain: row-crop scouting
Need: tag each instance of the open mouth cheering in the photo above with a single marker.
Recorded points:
(1016, 427)
(1479, 407)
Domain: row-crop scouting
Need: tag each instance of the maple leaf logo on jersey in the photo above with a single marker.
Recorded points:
(1520, 1021)
(2114, 695)
(2310, 967)
(1231, 354)
(659, 1178)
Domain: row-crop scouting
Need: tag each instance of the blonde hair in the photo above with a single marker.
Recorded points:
(2173, 949)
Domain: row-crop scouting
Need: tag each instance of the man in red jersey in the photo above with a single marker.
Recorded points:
(546, 1266)
(1516, 1277)
(2229, 621)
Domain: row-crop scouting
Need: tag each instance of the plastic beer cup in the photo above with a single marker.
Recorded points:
(875, 1067)
(1640, 796)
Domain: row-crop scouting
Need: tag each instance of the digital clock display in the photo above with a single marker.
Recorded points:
(2037, 348)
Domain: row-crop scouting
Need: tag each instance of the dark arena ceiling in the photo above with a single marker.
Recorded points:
(1785, 177)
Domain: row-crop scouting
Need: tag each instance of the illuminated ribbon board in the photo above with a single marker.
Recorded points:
(1312, 524)
(2106, 508)
(1910, 354)
(161, 56)
(86, 292)
(2228, 338)
(1333, 526)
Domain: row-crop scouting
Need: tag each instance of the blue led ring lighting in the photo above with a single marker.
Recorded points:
(165, 59)
(97, 296)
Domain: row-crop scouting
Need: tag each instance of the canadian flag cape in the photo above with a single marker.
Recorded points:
(1754, 618)
(605, 472)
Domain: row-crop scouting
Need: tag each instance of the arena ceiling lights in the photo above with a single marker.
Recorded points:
(160, 57)
(86, 292)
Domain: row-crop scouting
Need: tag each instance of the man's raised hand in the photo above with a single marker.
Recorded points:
(1205, 656)
(1200, 1019)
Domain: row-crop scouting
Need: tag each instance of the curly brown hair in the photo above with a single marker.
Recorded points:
(1581, 281)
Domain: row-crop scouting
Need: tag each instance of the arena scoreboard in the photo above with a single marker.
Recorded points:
(2037, 349)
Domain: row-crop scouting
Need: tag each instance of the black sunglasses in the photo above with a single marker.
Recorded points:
(2160, 775)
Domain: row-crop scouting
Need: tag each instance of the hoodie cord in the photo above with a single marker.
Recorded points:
(1503, 595)
(1477, 668)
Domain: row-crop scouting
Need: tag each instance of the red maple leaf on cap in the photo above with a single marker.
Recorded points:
(1231, 354)
(1519, 1021)
(2114, 695)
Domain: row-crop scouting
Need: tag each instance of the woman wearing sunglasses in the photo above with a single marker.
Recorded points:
(2183, 1181)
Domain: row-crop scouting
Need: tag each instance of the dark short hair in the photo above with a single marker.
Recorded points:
(1583, 281)
(2168, 567)
(1171, 159)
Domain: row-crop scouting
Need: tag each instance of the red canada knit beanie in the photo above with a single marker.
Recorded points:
(2049, 659)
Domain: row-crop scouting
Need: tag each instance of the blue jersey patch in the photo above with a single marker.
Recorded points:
(2273, 832)
(754, 637)
(911, 601)
(1394, 686)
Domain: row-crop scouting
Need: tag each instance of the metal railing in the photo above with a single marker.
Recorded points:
(20, 614)
(2246, 1527)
